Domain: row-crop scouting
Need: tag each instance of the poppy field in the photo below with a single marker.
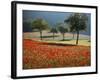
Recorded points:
(38, 55)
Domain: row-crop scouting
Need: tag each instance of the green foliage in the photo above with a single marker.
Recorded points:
(62, 28)
(78, 22)
(53, 30)
(39, 24)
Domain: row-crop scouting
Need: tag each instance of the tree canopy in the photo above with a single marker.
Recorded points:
(39, 24)
(62, 29)
(53, 30)
(78, 22)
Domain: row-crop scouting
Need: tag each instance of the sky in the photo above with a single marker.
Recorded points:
(52, 17)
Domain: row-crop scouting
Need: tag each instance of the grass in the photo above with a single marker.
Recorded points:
(69, 41)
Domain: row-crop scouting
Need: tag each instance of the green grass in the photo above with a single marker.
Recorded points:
(81, 42)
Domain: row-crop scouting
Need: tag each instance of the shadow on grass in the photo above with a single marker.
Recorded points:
(66, 40)
(50, 36)
(89, 41)
(59, 44)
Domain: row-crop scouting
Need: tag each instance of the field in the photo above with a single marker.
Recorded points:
(56, 39)
(40, 54)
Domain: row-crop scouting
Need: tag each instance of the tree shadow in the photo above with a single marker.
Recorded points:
(66, 40)
(51, 36)
(89, 41)
(59, 44)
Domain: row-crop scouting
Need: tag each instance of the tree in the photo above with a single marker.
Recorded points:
(53, 30)
(78, 22)
(39, 24)
(73, 33)
(62, 30)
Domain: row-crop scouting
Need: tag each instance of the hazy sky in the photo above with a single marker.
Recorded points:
(51, 17)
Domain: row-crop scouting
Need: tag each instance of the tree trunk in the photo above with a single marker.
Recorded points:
(41, 35)
(77, 38)
(63, 36)
(73, 35)
(53, 35)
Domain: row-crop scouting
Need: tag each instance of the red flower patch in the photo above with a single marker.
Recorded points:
(44, 55)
